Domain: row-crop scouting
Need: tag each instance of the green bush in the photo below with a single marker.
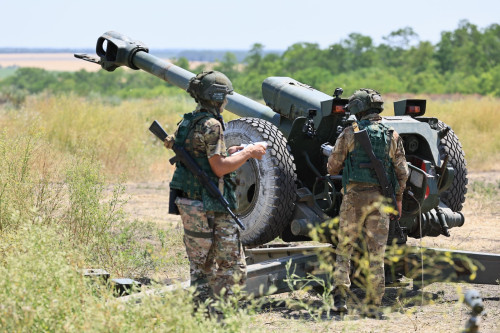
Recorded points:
(59, 218)
(43, 290)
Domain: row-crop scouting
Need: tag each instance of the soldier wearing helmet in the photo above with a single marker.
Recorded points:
(211, 237)
(360, 215)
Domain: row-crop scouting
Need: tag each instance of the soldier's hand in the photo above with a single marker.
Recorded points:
(256, 151)
(399, 204)
(169, 141)
(234, 149)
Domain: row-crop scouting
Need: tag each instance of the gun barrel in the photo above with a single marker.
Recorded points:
(115, 50)
(162, 69)
(237, 104)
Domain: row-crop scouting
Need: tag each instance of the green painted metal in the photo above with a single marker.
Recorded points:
(305, 117)
(115, 50)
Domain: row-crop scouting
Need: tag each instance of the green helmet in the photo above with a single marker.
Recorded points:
(210, 86)
(364, 100)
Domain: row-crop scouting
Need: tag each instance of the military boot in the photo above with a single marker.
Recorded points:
(340, 300)
(373, 313)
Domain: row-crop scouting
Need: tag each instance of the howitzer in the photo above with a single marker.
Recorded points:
(362, 138)
(182, 156)
(286, 193)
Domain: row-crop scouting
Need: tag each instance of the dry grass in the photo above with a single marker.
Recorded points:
(474, 121)
(118, 130)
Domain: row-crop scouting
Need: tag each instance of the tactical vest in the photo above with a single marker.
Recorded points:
(185, 181)
(380, 138)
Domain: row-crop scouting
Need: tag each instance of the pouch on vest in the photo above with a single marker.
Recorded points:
(172, 207)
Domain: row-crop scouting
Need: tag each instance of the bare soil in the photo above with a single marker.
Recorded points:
(61, 62)
(47, 61)
(435, 308)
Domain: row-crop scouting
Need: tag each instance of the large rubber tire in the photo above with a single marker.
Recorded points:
(265, 188)
(454, 197)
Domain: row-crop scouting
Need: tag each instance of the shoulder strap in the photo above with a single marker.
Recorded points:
(187, 124)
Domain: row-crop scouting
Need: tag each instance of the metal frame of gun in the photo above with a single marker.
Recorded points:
(181, 155)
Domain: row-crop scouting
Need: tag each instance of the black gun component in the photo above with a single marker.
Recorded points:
(181, 155)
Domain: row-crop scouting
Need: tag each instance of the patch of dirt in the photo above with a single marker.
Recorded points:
(148, 201)
(67, 62)
(47, 61)
(435, 308)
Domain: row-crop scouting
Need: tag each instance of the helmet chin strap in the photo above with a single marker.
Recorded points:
(221, 121)
(215, 110)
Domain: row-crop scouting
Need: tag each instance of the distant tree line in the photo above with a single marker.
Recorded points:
(465, 61)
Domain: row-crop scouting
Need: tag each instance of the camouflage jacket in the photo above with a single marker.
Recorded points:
(204, 140)
(345, 144)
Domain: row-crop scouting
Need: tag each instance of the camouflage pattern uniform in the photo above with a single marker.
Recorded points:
(360, 217)
(211, 238)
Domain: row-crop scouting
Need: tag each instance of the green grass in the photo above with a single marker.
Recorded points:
(61, 219)
(43, 290)
(6, 71)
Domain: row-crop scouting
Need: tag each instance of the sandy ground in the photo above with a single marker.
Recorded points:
(60, 62)
(435, 309)
(47, 61)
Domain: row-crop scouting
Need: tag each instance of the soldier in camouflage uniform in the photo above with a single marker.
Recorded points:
(360, 216)
(211, 236)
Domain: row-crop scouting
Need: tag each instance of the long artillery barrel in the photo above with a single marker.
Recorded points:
(115, 50)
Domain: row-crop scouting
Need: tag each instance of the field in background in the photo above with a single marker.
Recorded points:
(47, 61)
(472, 118)
(118, 130)
(55, 62)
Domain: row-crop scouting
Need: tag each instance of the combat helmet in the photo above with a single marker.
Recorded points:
(210, 86)
(364, 100)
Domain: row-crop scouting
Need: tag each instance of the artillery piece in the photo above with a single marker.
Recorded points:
(288, 191)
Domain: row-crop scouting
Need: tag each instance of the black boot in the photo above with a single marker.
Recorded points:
(340, 300)
(374, 313)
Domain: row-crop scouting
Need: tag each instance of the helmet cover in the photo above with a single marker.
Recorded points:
(365, 99)
(210, 86)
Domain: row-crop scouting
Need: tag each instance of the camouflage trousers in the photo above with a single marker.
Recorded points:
(212, 240)
(362, 224)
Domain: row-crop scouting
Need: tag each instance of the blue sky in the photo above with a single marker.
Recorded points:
(224, 24)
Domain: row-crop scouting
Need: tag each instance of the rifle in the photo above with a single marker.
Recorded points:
(181, 155)
(361, 137)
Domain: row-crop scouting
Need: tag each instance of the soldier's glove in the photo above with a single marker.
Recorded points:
(169, 141)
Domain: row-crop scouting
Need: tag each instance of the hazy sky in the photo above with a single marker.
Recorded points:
(224, 24)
